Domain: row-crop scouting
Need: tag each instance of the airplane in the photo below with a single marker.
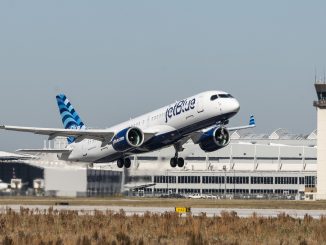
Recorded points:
(203, 118)
(7, 156)
(3, 186)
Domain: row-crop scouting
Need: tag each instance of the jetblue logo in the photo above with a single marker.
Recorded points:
(75, 127)
(179, 107)
(115, 141)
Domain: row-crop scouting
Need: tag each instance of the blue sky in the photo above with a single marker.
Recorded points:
(119, 59)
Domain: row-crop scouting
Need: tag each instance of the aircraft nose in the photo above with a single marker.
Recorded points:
(236, 105)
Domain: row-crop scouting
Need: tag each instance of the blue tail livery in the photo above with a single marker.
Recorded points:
(69, 116)
(252, 121)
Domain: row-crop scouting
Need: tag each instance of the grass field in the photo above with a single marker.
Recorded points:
(67, 227)
(159, 202)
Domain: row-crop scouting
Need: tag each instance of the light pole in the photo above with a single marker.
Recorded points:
(224, 168)
(167, 182)
(233, 182)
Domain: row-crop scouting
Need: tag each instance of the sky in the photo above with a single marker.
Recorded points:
(119, 59)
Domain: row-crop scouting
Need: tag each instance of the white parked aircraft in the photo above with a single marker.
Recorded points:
(8, 156)
(202, 118)
(3, 186)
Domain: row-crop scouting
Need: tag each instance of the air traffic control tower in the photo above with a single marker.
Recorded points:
(320, 104)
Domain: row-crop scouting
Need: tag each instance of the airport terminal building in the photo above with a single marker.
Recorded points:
(278, 165)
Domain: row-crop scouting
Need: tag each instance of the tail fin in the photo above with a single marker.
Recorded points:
(252, 121)
(69, 116)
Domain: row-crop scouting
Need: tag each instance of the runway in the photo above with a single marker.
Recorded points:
(210, 212)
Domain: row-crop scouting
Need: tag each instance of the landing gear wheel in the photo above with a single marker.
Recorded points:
(120, 163)
(127, 163)
(181, 162)
(173, 162)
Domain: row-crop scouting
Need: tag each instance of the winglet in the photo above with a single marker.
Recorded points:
(252, 121)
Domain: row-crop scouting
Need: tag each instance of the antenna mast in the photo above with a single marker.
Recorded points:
(315, 74)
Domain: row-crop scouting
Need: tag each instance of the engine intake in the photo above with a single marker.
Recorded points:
(128, 139)
(214, 139)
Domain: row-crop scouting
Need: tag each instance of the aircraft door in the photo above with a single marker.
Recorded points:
(200, 105)
(220, 106)
(84, 147)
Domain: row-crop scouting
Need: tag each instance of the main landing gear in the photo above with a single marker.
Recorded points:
(124, 162)
(180, 162)
(177, 161)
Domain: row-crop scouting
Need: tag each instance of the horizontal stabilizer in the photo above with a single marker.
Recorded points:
(49, 151)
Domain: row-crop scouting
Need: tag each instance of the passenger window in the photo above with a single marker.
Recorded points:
(214, 97)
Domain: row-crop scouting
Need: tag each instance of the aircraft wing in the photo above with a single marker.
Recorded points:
(96, 134)
(102, 135)
(252, 124)
(240, 128)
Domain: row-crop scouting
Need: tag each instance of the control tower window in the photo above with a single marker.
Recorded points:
(322, 96)
(214, 97)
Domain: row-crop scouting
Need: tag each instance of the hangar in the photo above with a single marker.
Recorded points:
(40, 175)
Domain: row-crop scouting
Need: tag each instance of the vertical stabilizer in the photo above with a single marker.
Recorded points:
(69, 116)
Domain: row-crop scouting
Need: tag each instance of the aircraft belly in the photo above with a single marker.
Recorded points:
(100, 153)
(92, 154)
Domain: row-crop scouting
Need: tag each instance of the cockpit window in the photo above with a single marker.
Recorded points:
(225, 96)
(214, 97)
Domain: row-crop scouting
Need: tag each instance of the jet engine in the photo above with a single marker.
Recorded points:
(128, 139)
(214, 139)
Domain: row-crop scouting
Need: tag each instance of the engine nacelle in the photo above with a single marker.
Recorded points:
(214, 139)
(128, 139)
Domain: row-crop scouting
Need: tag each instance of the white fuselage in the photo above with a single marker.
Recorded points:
(171, 122)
